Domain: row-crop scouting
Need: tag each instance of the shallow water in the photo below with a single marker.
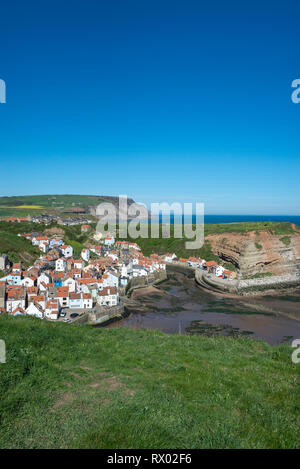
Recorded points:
(179, 306)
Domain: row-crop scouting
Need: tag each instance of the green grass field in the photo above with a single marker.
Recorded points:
(277, 228)
(20, 206)
(50, 200)
(67, 386)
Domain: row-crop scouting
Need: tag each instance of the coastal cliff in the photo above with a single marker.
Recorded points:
(259, 252)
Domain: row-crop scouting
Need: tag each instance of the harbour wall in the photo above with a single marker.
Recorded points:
(247, 287)
(141, 282)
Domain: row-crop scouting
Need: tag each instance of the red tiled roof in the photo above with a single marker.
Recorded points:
(62, 292)
(211, 263)
(86, 296)
(75, 296)
(104, 292)
(85, 281)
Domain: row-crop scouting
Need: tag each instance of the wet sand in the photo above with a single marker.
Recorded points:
(179, 306)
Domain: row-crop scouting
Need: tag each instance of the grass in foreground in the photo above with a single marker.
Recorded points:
(69, 386)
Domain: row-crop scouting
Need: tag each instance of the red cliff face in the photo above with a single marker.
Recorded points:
(258, 252)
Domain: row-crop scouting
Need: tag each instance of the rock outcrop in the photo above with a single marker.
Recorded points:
(259, 251)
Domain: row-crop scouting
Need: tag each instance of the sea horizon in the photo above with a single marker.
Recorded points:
(216, 219)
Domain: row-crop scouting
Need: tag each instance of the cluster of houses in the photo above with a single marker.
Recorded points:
(47, 219)
(58, 283)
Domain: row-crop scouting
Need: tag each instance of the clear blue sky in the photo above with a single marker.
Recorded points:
(160, 100)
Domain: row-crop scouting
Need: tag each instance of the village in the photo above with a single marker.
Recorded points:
(60, 287)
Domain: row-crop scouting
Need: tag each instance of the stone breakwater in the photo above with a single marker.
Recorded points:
(142, 282)
(247, 287)
(103, 316)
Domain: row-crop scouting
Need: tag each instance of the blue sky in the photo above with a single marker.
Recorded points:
(160, 100)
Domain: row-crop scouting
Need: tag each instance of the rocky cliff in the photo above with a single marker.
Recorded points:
(259, 251)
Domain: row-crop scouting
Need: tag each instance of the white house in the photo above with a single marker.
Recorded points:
(15, 299)
(16, 268)
(66, 250)
(111, 279)
(126, 269)
(75, 300)
(52, 309)
(35, 310)
(17, 311)
(62, 295)
(12, 279)
(82, 284)
(134, 246)
(43, 287)
(76, 273)
(192, 262)
(56, 243)
(87, 301)
(43, 277)
(169, 257)
(38, 301)
(139, 271)
(71, 283)
(28, 281)
(44, 247)
(219, 271)
(60, 265)
(109, 241)
(85, 254)
(78, 264)
(109, 296)
(37, 240)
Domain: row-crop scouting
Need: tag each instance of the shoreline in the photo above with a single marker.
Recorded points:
(255, 299)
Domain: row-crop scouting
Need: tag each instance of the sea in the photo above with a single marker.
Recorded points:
(215, 219)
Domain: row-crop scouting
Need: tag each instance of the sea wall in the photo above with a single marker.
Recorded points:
(104, 315)
(141, 282)
(278, 282)
(246, 287)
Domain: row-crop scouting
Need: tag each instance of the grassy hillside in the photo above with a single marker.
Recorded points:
(50, 200)
(17, 249)
(277, 228)
(67, 386)
(177, 245)
(21, 206)
(24, 227)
